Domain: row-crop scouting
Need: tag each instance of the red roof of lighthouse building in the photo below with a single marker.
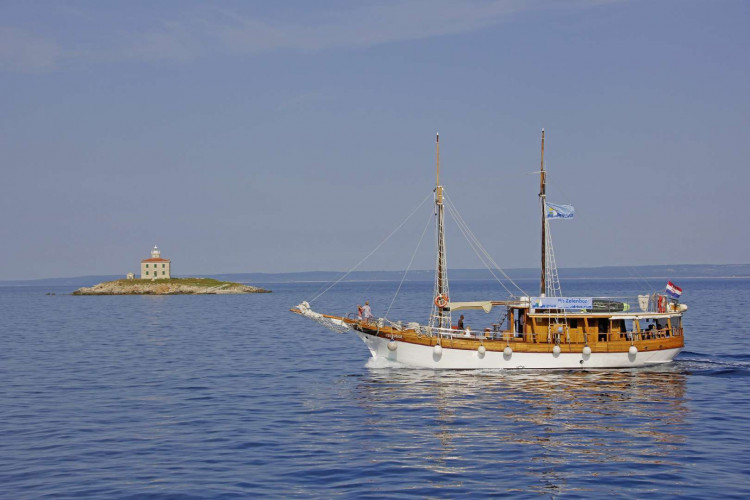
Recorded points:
(157, 259)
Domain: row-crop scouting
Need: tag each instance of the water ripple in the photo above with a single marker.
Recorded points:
(195, 397)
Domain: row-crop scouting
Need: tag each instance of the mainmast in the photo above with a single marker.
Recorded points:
(440, 316)
(543, 203)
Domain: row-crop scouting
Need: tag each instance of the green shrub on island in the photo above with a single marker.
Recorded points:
(205, 282)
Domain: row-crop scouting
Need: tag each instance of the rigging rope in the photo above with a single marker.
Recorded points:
(373, 251)
(473, 240)
(472, 244)
(429, 218)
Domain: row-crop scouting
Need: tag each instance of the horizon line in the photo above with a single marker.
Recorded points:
(83, 276)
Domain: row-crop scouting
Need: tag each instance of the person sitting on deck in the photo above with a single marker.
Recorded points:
(467, 332)
(663, 328)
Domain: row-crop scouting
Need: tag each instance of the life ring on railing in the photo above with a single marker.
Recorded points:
(442, 300)
(662, 304)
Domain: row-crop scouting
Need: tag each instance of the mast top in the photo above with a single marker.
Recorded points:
(542, 150)
(438, 187)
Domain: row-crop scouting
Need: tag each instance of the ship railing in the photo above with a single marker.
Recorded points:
(483, 334)
(661, 333)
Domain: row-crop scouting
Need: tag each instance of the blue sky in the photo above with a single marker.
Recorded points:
(290, 136)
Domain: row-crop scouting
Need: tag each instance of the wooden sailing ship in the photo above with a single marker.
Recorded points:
(548, 331)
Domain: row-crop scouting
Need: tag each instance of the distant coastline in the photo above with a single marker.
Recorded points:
(670, 272)
(171, 286)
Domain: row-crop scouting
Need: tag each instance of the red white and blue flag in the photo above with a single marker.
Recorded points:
(673, 290)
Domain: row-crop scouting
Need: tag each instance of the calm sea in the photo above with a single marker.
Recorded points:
(233, 396)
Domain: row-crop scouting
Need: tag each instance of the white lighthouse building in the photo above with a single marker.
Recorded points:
(155, 268)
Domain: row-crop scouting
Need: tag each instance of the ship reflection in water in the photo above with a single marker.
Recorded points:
(551, 432)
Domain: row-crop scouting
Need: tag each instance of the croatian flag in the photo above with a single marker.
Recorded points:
(673, 290)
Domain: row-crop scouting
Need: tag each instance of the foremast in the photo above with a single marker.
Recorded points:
(440, 317)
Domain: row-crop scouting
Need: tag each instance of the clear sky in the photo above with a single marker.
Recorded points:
(256, 136)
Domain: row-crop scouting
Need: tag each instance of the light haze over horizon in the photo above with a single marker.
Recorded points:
(295, 136)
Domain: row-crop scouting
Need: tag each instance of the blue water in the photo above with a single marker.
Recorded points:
(223, 396)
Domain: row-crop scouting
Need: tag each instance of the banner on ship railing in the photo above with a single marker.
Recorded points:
(562, 302)
(560, 211)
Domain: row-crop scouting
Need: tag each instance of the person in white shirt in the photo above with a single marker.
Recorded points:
(366, 311)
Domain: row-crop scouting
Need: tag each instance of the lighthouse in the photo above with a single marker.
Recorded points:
(155, 267)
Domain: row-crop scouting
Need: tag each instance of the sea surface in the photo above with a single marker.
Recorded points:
(234, 396)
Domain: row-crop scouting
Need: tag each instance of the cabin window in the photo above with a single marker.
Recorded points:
(603, 325)
(518, 319)
(573, 323)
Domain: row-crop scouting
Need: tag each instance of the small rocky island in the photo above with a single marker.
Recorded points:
(170, 286)
(156, 279)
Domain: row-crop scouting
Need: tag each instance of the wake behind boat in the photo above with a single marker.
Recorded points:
(547, 331)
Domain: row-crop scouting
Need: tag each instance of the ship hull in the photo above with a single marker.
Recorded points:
(424, 356)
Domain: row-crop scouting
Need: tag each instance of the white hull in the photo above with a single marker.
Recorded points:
(420, 356)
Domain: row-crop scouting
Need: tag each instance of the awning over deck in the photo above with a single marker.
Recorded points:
(485, 306)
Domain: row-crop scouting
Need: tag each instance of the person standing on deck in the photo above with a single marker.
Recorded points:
(359, 312)
(461, 322)
(366, 311)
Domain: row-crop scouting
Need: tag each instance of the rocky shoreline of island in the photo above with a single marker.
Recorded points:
(171, 286)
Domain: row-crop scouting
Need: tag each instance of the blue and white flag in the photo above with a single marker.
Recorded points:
(559, 211)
